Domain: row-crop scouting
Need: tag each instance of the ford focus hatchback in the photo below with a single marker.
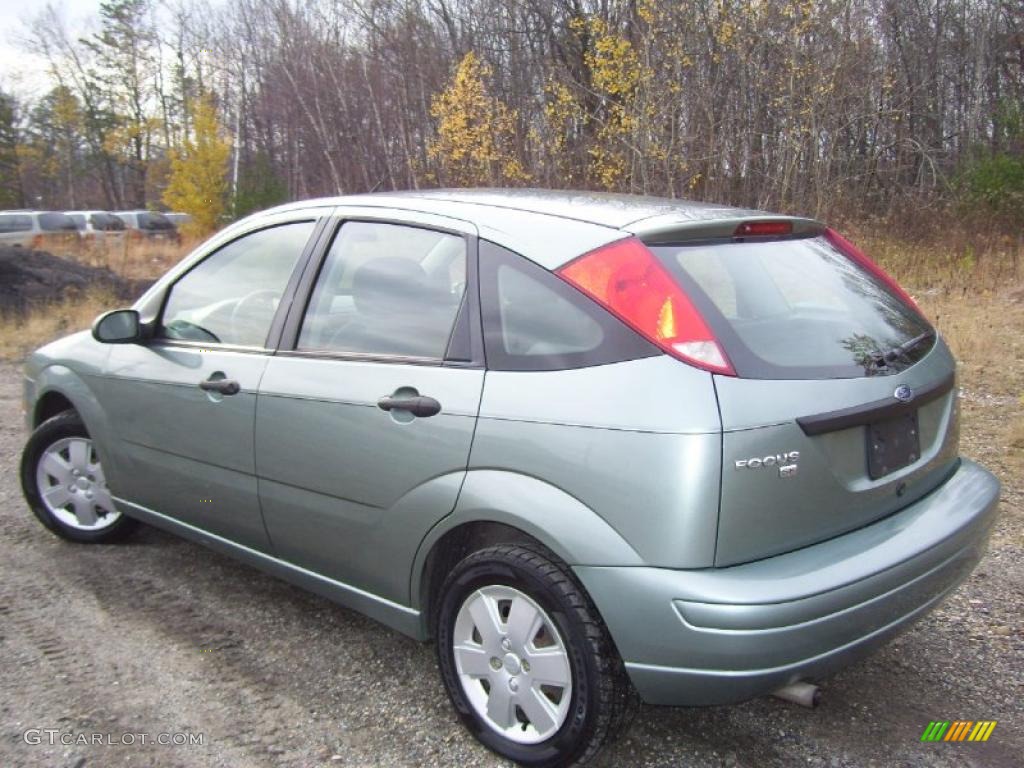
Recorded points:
(598, 449)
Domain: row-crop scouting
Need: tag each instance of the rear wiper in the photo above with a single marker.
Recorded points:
(883, 359)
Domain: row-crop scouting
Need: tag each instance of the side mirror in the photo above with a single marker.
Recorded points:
(121, 326)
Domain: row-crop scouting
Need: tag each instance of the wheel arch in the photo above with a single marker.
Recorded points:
(498, 507)
(59, 388)
(49, 405)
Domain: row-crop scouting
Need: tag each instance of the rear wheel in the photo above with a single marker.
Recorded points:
(526, 660)
(63, 481)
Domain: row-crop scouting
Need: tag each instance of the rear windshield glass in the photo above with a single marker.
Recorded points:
(15, 223)
(154, 220)
(56, 222)
(106, 222)
(797, 309)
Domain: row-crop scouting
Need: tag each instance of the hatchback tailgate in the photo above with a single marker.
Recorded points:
(797, 454)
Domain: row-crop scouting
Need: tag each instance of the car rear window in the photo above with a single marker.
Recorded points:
(106, 222)
(796, 308)
(15, 223)
(153, 220)
(57, 222)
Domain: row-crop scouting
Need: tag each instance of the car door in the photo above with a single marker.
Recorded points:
(365, 416)
(183, 403)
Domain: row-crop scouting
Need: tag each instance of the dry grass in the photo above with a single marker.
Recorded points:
(947, 262)
(132, 259)
(20, 334)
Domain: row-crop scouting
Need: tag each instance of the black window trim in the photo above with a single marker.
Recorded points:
(292, 324)
(276, 324)
(621, 343)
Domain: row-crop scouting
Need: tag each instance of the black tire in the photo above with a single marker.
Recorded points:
(603, 700)
(64, 425)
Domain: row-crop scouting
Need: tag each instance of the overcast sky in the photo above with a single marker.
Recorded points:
(19, 71)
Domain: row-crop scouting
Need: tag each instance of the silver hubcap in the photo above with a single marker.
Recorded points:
(512, 664)
(72, 486)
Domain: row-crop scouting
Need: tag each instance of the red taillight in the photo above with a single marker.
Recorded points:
(628, 280)
(853, 252)
(763, 228)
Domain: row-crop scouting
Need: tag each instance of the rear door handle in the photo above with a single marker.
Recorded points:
(221, 386)
(417, 405)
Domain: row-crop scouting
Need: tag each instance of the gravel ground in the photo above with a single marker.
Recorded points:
(161, 636)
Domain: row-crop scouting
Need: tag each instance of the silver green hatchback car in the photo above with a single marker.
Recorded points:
(597, 448)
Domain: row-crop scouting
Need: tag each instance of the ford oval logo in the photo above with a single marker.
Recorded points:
(903, 393)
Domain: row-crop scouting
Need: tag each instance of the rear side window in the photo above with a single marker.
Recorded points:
(387, 290)
(795, 309)
(15, 223)
(57, 222)
(535, 321)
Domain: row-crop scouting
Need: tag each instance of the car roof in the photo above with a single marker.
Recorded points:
(605, 209)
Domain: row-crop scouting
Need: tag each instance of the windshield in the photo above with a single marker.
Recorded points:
(15, 223)
(798, 309)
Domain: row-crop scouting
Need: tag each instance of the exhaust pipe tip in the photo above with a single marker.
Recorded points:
(805, 694)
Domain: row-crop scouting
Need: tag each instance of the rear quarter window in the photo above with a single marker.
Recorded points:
(535, 321)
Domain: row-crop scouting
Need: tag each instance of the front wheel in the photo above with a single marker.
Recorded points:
(526, 659)
(63, 482)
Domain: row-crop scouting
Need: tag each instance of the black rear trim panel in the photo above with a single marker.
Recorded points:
(877, 410)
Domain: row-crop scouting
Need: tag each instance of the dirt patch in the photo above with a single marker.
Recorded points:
(29, 278)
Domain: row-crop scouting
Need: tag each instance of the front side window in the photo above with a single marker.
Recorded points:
(231, 296)
(387, 290)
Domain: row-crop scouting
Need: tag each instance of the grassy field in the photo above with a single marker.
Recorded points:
(21, 333)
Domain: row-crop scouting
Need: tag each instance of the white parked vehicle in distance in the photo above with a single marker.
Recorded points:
(98, 225)
(149, 224)
(37, 229)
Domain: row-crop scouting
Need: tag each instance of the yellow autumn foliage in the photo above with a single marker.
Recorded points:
(475, 142)
(198, 180)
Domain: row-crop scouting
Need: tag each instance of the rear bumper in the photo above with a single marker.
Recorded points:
(722, 635)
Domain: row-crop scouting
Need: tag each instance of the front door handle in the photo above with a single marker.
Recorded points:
(220, 386)
(417, 405)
